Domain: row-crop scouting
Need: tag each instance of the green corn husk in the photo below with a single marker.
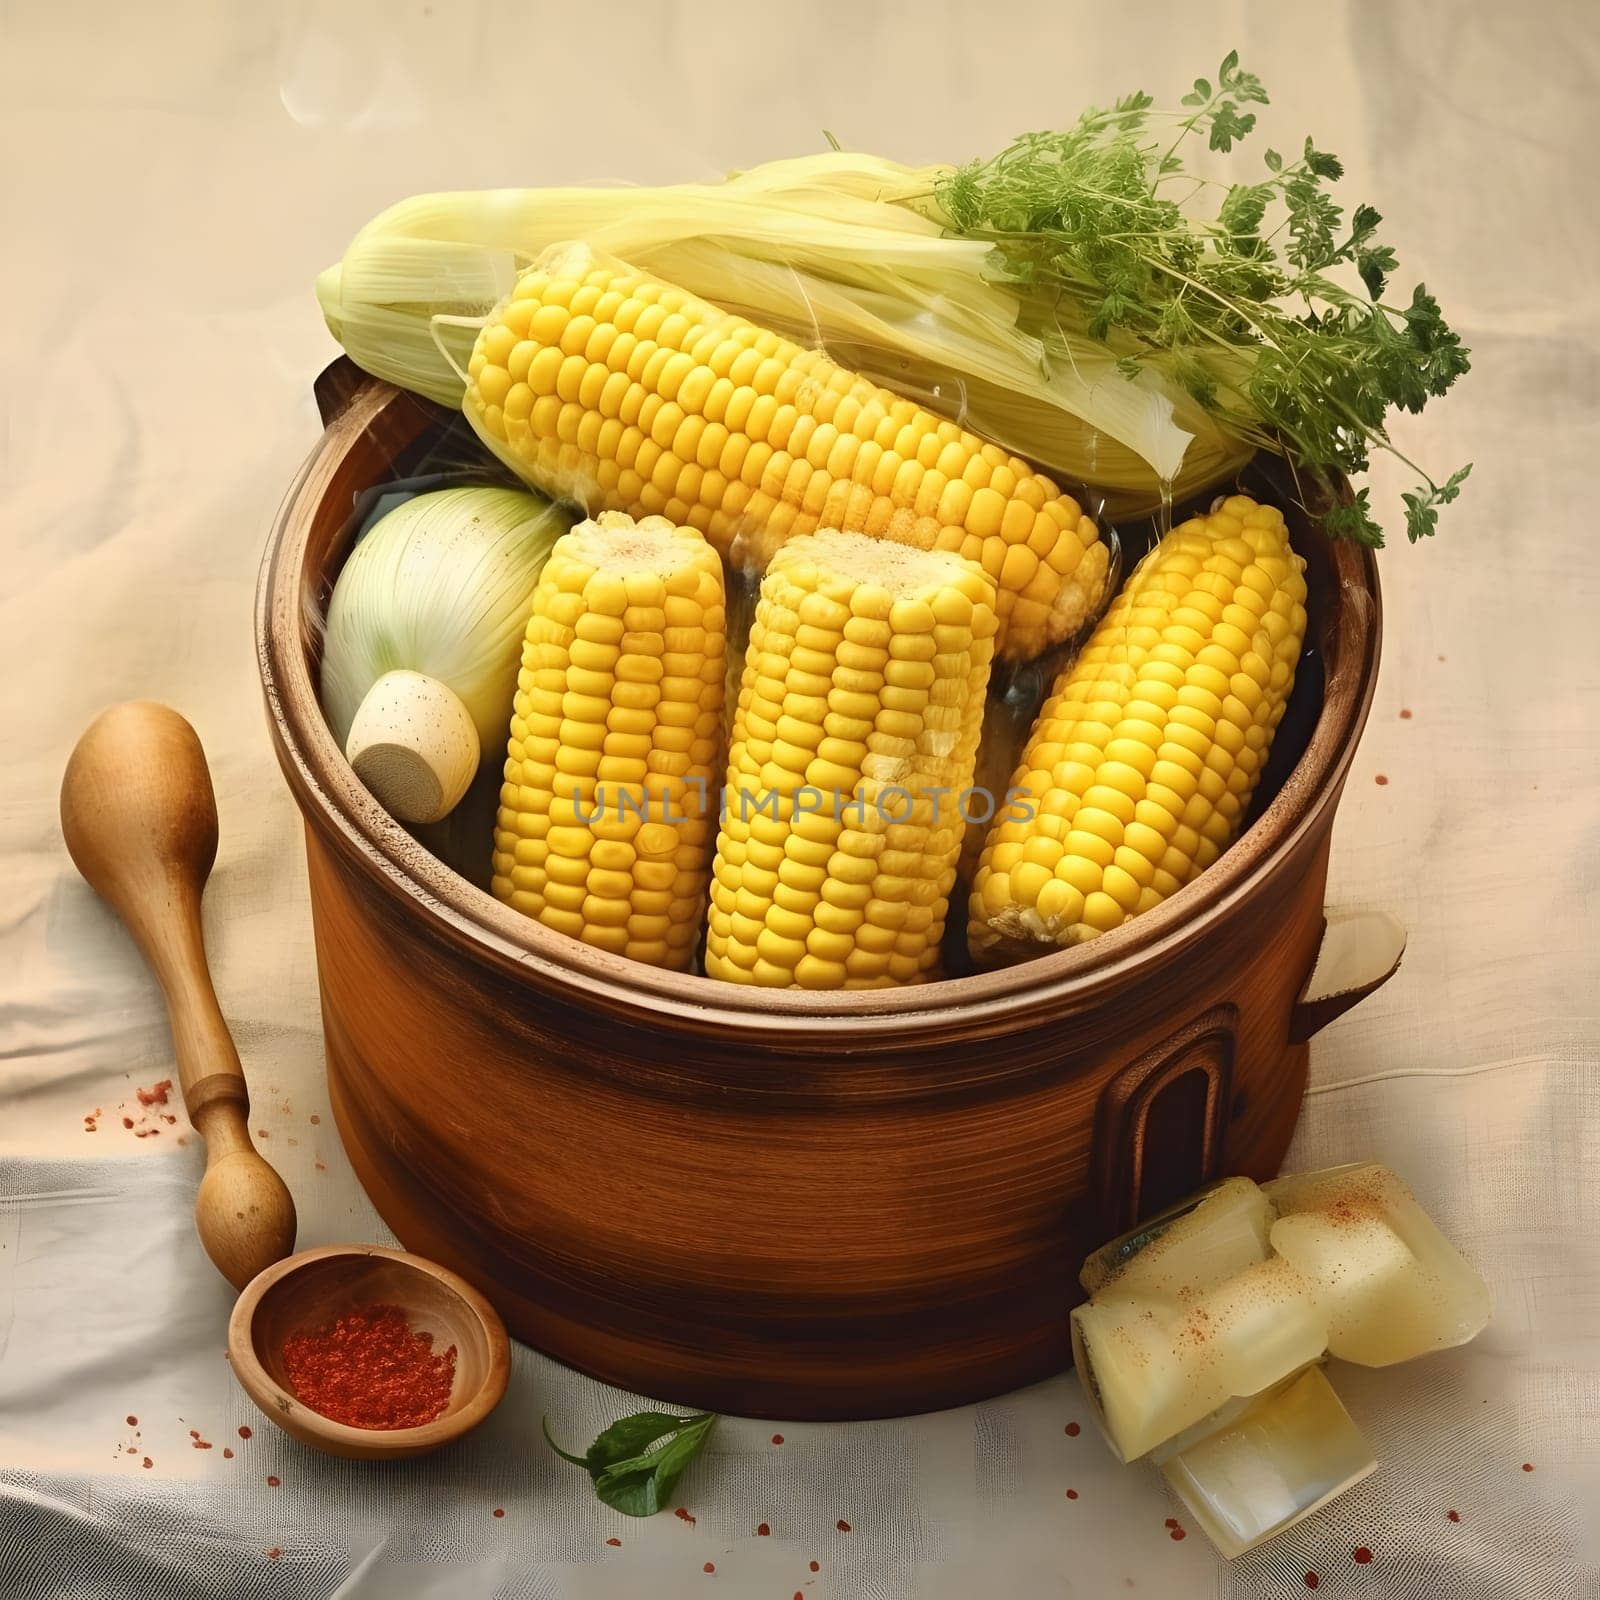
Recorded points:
(840, 250)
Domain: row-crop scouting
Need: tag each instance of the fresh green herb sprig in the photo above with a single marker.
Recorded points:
(1268, 306)
(637, 1461)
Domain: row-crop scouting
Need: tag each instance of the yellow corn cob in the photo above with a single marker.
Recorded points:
(1143, 761)
(852, 747)
(605, 816)
(604, 387)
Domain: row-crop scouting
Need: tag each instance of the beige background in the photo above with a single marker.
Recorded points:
(173, 177)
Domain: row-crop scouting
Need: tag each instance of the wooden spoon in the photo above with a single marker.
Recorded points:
(140, 821)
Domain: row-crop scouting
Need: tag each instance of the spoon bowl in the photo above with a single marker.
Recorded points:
(310, 1291)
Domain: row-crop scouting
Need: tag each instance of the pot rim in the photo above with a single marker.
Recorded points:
(475, 924)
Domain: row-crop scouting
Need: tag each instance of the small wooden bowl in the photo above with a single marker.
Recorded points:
(308, 1291)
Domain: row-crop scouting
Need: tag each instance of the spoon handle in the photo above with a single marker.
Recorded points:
(140, 820)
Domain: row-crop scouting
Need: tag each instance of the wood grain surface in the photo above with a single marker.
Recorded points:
(782, 1203)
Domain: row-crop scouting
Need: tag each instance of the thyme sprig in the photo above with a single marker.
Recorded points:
(1268, 305)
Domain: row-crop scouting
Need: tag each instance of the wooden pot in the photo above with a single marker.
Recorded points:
(793, 1204)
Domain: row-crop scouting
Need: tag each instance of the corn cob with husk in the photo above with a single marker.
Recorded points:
(1141, 765)
(601, 386)
(853, 744)
(843, 249)
(605, 818)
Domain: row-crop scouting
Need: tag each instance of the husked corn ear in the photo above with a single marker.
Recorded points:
(604, 387)
(1143, 760)
(605, 820)
(852, 746)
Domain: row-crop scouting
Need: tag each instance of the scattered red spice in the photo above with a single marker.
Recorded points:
(1073, 1430)
(316, 1121)
(1527, 1466)
(133, 1422)
(274, 1553)
(1177, 1532)
(132, 1450)
(156, 1094)
(842, 1525)
(777, 1438)
(682, 1514)
(499, 1511)
(147, 1462)
(815, 1566)
(1171, 1522)
(371, 1369)
(227, 1454)
(1405, 713)
(321, 1166)
(1312, 1580)
(1454, 1516)
(127, 1122)
(202, 1444)
(167, 1117)
(1361, 1555)
(272, 1482)
(261, 1133)
(1072, 1494)
(244, 1432)
(616, 1543)
(710, 1566)
(762, 1530)
(1380, 780)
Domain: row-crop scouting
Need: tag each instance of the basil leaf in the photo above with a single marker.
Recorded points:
(636, 1462)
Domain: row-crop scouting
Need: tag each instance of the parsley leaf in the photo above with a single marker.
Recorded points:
(1270, 310)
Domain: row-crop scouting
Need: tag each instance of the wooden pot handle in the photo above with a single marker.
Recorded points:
(1360, 951)
(336, 386)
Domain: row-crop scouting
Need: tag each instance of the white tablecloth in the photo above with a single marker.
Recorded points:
(173, 177)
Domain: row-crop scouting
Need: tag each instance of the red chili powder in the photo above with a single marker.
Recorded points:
(156, 1094)
(777, 1438)
(244, 1433)
(133, 1422)
(682, 1514)
(274, 1553)
(1454, 1516)
(815, 1566)
(147, 1462)
(1379, 779)
(127, 1122)
(1178, 1531)
(1073, 1430)
(227, 1454)
(1072, 1494)
(1405, 714)
(762, 1530)
(842, 1525)
(1527, 1466)
(1312, 1580)
(616, 1542)
(371, 1369)
(710, 1566)
(499, 1511)
(1361, 1555)
(272, 1483)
